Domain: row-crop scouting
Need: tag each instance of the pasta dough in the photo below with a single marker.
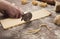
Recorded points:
(42, 4)
(57, 20)
(9, 22)
(34, 2)
(24, 2)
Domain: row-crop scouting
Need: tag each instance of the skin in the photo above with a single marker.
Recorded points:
(9, 10)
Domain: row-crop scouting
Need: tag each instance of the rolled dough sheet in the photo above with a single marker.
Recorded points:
(9, 22)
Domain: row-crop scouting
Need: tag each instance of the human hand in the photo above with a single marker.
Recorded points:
(10, 10)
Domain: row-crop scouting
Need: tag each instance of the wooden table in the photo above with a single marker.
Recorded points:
(20, 32)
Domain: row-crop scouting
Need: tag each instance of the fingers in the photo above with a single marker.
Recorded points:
(17, 16)
(14, 12)
(12, 16)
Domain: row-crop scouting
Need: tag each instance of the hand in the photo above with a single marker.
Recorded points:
(13, 12)
(10, 10)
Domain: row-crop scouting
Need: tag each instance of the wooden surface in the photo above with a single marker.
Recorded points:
(20, 32)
